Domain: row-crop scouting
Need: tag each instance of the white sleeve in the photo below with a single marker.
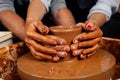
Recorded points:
(107, 7)
(47, 4)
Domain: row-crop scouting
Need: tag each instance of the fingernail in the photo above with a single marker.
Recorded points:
(75, 53)
(63, 42)
(89, 27)
(56, 58)
(81, 38)
(81, 56)
(75, 41)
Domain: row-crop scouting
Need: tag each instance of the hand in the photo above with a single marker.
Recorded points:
(61, 48)
(86, 43)
(36, 39)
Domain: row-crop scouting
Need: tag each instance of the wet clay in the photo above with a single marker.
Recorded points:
(98, 67)
(66, 33)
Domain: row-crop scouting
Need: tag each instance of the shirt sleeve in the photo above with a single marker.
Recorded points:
(7, 5)
(57, 4)
(47, 4)
(107, 7)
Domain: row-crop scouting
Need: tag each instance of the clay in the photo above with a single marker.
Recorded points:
(98, 67)
(66, 33)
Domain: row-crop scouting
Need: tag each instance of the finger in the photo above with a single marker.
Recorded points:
(41, 38)
(81, 25)
(91, 49)
(39, 55)
(62, 53)
(42, 28)
(56, 58)
(59, 40)
(91, 26)
(90, 54)
(74, 46)
(82, 56)
(90, 35)
(77, 52)
(76, 39)
(41, 48)
(89, 43)
(62, 48)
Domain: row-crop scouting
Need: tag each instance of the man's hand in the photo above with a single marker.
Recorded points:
(43, 46)
(86, 43)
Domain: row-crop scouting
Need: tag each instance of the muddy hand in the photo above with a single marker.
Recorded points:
(35, 39)
(62, 48)
(86, 43)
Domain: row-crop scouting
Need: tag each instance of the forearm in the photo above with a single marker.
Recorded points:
(36, 10)
(13, 22)
(99, 18)
(63, 17)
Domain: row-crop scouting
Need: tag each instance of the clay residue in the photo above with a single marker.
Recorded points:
(76, 69)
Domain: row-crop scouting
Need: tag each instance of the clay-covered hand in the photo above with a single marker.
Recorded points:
(86, 43)
(36, 39)
(61, 48)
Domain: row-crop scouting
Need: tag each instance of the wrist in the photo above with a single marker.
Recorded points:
(98, 18)
(29, 20)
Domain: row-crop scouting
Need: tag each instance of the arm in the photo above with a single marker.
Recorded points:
(36, 10)
(37, 38)
(63, 17)
(98, 18)
(10, 19)
(103, 10)
(61, 13)
(99, 14)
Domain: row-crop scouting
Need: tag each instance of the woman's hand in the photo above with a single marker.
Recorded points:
(86, 43)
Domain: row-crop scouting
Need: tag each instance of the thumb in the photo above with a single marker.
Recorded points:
(91, 26)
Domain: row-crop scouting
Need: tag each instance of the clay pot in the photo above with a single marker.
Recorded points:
(67, 33)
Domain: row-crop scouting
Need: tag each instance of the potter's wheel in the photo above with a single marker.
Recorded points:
(98, 67)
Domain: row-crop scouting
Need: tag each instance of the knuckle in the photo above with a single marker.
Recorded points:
(62, 54)
(67, 48)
